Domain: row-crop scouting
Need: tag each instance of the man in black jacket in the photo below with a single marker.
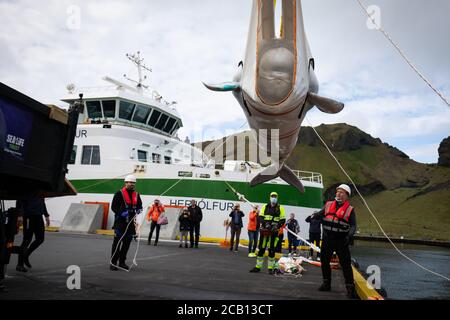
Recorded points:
(339, 226)
(315, 232)
(236, 226)
(196, 218)
(31, 209)
(126, 205)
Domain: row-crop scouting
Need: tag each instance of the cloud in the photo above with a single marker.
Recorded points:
(187, 42)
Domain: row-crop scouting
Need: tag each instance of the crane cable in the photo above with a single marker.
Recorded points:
(408, 61)
(370, 211)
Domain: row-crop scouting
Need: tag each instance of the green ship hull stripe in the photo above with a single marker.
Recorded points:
(190, 188)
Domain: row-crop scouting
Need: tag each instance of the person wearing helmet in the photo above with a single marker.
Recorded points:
(126, 204)
(339, 226)
(272, 217)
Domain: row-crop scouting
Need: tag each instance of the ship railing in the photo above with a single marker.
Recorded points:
(308, 176)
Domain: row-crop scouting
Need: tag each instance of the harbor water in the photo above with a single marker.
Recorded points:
(401, 278)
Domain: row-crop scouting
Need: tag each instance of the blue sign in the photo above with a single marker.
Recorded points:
(15, 127)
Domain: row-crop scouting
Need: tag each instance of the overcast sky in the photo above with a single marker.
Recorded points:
(187, 42)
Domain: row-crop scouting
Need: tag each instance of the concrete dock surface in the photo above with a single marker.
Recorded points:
(163, 272)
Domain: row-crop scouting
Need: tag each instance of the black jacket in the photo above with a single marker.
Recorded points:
(118, 206)
(32, 206)
(185, 222)
(196, 214)
(292, 224)
(314, 224)
(240, 215)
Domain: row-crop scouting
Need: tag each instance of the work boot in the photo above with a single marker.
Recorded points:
(270, 271)
(351, 293)
(196, 246)
(26, 261)
(186, 245)
(326, 286)
(255, 269)
(192, 245)
(124, 266)
(21, 269)
(149, 242)
(180, 246)
(113, 268)
(231, 249)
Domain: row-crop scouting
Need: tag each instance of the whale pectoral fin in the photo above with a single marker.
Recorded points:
(224, 86)
(326, 105)
(284, 173)
(267, 174)
(290, 177)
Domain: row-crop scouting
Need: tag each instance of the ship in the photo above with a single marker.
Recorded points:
(129, 129)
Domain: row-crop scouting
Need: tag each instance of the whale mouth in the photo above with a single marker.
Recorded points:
(276, 56)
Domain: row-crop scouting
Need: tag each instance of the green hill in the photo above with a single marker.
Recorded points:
(410, 199)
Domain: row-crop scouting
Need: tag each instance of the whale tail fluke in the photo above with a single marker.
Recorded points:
(284, 172)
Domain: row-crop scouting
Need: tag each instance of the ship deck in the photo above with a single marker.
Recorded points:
(163, 272)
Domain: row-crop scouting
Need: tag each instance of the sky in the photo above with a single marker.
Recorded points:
(47, 44)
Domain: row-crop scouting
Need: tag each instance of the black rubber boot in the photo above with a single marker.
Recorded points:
(351, 292)
(326, 286)
(113, 268)
(21, 269)
(124, 266)
(255, 269)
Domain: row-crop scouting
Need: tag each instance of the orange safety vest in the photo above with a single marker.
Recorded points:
(126, 197)
(337, 220)
(154, 212)
(252, 220)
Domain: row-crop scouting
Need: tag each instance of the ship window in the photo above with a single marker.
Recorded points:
(94, 110)
(205, 175)
(169, 125)
(73, 155)
(142, 156)
(185, 173)
(126, 110)
(154, 118)
(156, 158)
(175, 128)
(109, 108)
(167, 160)
(141, 114)
(162, 121)
(91, 155)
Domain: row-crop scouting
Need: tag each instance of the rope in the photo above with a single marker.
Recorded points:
(370, 211)
(138, 232)
(403, 55)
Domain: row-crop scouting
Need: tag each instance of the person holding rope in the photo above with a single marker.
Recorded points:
(339, 226)
(126, 205)
(272, 217)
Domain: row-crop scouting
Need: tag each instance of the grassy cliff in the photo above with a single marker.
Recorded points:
(410, 199)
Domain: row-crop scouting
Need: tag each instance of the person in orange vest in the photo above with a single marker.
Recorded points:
(126, 205)
(153, 215)
(253, 231)
(339, 226)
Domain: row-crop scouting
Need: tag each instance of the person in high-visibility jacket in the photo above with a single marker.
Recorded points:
(272, 217)
(153, 214)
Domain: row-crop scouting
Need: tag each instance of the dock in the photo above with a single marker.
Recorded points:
(163, 272)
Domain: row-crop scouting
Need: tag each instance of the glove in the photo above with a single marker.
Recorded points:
(124, 214)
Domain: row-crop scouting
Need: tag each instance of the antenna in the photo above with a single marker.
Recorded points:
(139, 62)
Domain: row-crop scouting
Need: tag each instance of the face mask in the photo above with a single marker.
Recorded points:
(273, 200)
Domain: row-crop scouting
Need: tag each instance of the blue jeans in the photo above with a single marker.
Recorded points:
(252, 241)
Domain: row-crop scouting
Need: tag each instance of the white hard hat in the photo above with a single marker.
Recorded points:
(130, 178)
(346, 188)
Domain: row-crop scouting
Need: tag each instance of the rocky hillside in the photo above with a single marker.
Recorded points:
(410, 199)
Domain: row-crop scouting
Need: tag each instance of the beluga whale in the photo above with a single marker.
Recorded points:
(276, 85)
